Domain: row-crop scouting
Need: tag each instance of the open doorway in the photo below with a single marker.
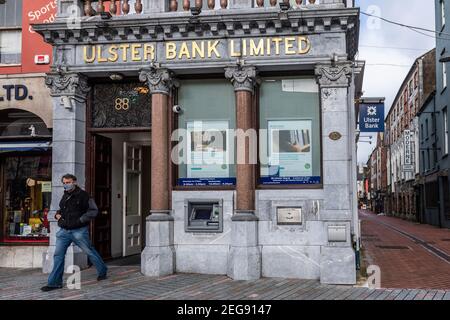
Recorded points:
(120, 182)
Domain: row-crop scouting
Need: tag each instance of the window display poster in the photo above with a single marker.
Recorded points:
(207, 154)
(290, 153)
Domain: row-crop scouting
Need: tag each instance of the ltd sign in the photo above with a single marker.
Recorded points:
(14, 92)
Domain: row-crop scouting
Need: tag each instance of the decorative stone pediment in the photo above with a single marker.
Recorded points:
(159, 80)
(68, 84)
(333, 75)
(243, 78)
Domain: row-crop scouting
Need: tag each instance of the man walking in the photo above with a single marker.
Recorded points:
(76, 211)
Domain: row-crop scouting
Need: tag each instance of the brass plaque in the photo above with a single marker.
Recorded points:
(335, 136)
(289, 215)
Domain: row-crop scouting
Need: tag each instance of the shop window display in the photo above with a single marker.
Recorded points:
(26, 198)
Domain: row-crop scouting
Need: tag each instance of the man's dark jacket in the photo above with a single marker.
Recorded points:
(76, 209)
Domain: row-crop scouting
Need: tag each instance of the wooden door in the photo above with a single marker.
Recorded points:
(101, 187)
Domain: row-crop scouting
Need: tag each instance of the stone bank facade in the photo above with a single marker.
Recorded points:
(123, 83)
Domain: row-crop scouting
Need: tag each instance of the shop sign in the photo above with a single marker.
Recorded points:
(197, 50)
(371, 117)
(407, 167)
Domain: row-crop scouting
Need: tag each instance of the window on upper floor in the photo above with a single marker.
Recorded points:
(10, 31)
(442, 13)
(445, 132)
(444, 75)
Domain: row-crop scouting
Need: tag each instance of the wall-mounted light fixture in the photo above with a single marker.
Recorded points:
(116, 76)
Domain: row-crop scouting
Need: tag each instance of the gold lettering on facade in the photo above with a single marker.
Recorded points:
(233, 52)
(204, 49)
(124, 48)
(257, 50)
(171, 50)
(113, 56)
(135, 53)
(307, 43)
(289, 46)
(277, 45)
(212, 47)
(149, 52)
(184, 51)
(90, 59)
(196, 49)
(100, 59)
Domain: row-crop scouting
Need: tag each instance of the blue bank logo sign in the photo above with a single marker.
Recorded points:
(371, 117)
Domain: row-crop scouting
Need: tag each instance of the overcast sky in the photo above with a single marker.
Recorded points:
(387, 67)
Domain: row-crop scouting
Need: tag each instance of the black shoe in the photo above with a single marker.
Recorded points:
(100, 278)
(47, 288)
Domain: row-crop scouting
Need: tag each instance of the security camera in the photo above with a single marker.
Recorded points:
(177, 109)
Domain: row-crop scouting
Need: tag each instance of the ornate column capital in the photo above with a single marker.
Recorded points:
(243, 78)
(333, 75)
(68, 84)
(159, 80)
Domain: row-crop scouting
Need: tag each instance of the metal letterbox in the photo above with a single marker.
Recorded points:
(337, 233)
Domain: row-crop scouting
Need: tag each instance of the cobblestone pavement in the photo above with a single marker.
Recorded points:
(410, 255)
(127, 283)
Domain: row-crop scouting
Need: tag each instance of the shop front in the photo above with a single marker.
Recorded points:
(25, 170)
(217, 143)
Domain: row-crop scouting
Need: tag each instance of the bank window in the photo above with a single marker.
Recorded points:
(289, 121)
(10, 31)
(205, 154)
(26, 198)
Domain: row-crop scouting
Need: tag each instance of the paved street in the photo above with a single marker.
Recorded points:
(127, 283)
(410, 255)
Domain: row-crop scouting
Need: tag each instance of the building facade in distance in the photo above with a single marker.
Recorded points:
(434, 137)
(403, 138)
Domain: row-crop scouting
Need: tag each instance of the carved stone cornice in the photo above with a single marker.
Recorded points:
(333, 75)
(159, 80)
(242, 78)
(68, 84)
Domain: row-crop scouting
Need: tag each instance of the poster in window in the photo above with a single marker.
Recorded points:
(290, 153)
(207, 154)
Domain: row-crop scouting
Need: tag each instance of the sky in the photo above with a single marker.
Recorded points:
(390, 50)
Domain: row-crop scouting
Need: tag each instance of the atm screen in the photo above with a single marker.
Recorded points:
(202, 214)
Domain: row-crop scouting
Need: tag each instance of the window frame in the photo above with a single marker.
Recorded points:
(173, 125)
(43, 241)
(445, 131)
(19, 63)
(258, 184)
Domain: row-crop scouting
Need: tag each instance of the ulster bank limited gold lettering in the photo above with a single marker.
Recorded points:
(198, 50)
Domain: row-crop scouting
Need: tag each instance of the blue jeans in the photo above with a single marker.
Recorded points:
(64, 239)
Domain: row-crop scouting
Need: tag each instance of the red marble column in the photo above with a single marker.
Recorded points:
(244, 81)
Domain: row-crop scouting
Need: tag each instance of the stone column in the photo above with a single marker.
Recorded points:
(69, 93)
(159, 254)
(244, 260)
(337, 264)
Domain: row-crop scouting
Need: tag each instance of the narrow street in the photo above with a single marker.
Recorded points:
(410, 255)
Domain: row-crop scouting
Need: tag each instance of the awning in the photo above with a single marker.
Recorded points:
(24, 146)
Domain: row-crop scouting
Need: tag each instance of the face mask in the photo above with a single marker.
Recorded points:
(69, 187)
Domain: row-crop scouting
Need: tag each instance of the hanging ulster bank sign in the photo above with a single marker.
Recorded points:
(371, 117)
(196, 50)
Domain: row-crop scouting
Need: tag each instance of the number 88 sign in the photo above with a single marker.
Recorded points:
(122, 104)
